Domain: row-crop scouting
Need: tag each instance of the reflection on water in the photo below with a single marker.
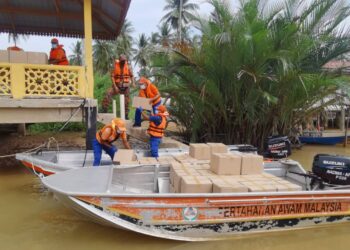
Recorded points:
(31, 218)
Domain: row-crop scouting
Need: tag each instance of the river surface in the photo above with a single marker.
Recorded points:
(31, 218)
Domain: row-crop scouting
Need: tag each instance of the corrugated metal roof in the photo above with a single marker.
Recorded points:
(62, 17)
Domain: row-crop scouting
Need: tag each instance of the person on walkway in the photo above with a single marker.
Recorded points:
(122, 78)
(157, 125)
(106, 136)
(147, 90)
(57, 53)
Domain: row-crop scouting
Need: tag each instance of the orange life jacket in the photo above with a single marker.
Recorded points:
(113, 137)
(121, 74)
(149, 92)
(59, 54)
(157, 131)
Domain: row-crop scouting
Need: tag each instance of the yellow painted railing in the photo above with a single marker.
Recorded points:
(33, 80)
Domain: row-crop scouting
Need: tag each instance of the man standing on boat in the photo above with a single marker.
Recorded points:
(157, 125)
(122, 77)
(106, 136)
(147, 90)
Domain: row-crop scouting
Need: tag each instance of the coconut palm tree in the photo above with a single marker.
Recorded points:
(125, 41)
(104, 54)
(15, 37)
(179, 14)
(77, 57)
(143, 51)
(256, 72)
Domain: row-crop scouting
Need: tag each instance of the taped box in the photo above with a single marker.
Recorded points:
(185, 158)
(166, 159)
(226, 185)
(200, 151)
(141, 102)
(225, 164)
(4, 56)
(217, 148)
(125, 156)
(283, 185)
(259, 186)
(37, 58)
(252, 164)
(196, 184)
(178, 174)
(17, 56)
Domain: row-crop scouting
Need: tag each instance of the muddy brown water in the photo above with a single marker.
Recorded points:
(31, 218)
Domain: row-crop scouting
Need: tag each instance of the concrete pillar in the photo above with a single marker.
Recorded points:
(21, 129)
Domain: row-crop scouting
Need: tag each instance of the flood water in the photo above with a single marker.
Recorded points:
(31, 218)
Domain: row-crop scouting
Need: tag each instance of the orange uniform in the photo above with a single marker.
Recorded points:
(150, 92)
(157, 131)
(59, 54)
(121, 74)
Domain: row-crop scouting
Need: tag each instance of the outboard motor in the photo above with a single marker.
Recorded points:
(332, 169)
(277, 147)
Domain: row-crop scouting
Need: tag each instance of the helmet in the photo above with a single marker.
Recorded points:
(54, 40)
(119, 123)
(162, 109)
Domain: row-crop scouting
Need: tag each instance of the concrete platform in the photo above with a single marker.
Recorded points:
(40, 110)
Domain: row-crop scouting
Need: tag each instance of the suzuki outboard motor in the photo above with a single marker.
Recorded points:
(332, 169)
(277, 147)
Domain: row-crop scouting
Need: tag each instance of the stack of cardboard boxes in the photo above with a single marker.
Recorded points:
(226, 172)
(23, 57)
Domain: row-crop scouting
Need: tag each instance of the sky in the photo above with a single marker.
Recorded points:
(144, 16)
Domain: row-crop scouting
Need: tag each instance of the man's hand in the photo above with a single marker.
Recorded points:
(151, 101)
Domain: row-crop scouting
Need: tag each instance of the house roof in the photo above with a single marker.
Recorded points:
(62, 17)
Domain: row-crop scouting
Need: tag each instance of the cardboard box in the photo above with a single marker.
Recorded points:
(196, 184)
(284, 185)
(4, 56)
(200, 151)
(217, 148)
(259, 186)
(185, 158)
(206, 172)
(124, 156)
(17, 56)
(252, 164)
(141, 102)
(225, 164)
(148, 160)
(179, 173)
(224, 185)
(165, 159)
(37, 58)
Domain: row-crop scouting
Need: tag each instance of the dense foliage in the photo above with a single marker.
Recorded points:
(255, 72)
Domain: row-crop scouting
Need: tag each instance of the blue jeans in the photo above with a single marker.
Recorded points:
(138, 118)
(154, 144)
(97, 147)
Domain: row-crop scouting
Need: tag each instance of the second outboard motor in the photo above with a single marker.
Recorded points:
(277, 147)
(332, 169)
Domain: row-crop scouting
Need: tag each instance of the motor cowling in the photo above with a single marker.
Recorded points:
(332, 169)
(277, 147)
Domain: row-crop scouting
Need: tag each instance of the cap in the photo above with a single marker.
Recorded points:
(54, 40)
(119, 123)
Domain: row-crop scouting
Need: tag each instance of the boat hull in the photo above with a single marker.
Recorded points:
(212, 218)
(322, 140)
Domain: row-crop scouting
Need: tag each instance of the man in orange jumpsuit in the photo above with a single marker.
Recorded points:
(57, 54)
(106, 136)
(122, 78)
(147, 90)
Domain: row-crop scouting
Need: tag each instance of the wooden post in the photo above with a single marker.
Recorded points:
(114, 108)
(122, 107)
(88, 48)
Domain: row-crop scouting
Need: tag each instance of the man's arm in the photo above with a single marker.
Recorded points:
(144, 116)
(154, 98)
(125, 140)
